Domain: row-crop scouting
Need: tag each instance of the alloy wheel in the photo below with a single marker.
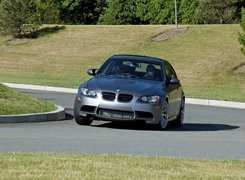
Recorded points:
(164, 116)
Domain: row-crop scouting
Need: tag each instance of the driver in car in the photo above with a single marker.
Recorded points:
(150, 72)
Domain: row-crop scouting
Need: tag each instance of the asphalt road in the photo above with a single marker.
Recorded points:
(208, 132)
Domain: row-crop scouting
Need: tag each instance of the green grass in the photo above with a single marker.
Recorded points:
(204, 57)
(60, 166)
(13, 103)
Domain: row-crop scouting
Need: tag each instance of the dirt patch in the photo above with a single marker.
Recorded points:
(240, 69)
(170, 34)
(19, 41)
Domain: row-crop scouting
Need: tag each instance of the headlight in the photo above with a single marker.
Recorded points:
(88, 92)
(149, 99)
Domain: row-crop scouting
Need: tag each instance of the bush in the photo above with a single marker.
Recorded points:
(120, 12)
(156, 11)
(81, 12)
(139, 12)
(149, 12)
(218, 11)
(19, 18)
(187, 11)
(49, 11)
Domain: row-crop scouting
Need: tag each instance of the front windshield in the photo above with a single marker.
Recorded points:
(132, 69)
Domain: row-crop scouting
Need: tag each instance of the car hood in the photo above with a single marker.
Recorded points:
(125, 85)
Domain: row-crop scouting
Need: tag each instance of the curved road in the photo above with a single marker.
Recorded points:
(208, 132)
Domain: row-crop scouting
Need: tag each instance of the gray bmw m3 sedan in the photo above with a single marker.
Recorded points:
(131, 88)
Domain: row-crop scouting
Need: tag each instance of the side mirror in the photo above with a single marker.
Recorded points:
(92, 72)
(174, 80)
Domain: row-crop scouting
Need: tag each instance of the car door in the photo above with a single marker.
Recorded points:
(174, 91)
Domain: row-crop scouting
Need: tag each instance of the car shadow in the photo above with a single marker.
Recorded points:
(185, 127)
(124, 125)
(204, 127)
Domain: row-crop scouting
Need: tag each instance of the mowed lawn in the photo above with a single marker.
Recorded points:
(204, 57)
(71, 166)
(12, 103)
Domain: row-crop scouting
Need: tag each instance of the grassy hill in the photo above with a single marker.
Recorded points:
(12, 103)
(204, 57)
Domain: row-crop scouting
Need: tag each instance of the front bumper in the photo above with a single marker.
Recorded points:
(102, 109)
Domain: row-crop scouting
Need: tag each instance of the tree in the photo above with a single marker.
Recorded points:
(49, 10)
(187, 11)
(139, 12)
(165, 11)
(242, 35)
(81, 12)
(156, 11)
(20, 18)
(142, 10)
(120, 12)
(217, 11)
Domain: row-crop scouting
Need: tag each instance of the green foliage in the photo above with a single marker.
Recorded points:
(20, 18)
(149, 12)
(128, 12)
(159, 12)
(242, 35)
(49, 10)
(139, 12)
(120, 12)
(142, 10)
(81, 12)
(187, 11)
(166, 12)
(217, 11)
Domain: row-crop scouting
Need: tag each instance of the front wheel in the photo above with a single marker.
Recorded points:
(163, 122)
(83, 120)
(179, 121)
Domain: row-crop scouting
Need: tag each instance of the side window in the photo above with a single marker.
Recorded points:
(105, 67)
(169, 71)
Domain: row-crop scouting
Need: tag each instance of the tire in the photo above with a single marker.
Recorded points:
(83, 120)
(180, 118)
(163, 122)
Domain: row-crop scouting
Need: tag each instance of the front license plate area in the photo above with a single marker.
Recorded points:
(116, 114)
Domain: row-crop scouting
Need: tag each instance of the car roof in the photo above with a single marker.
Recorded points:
(138, 57)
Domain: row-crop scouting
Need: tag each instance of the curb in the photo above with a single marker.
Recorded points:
(204, 102)
(41, 88)
(215, 103)
(56, 115)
